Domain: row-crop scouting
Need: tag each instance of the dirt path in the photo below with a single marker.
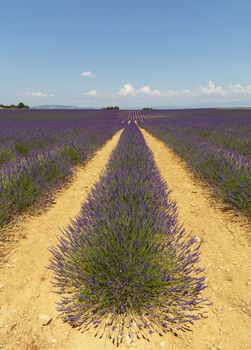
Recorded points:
(25, 289)
(225, 255)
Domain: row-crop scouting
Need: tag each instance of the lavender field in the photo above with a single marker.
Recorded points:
(128, 250)
(129, 256)
(216, 144)
(39, 149)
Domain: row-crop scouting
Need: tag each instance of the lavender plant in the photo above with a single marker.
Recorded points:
(37, 155)
(124, 267)
(216, 146)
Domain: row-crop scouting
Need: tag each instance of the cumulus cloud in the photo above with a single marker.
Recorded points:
(146, 90)
(129, 90)
(88, 74)
(92, 93)
(211, 89)
(240, 89)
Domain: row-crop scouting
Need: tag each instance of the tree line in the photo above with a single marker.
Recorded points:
(21, 105)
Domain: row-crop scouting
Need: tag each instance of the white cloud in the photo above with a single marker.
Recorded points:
(92, 93)
(88, 74)
(177, 93)
(211, 89)
(240, 89)
(36, 94)
(146, 90)
(187, 92)
(129, 90)
(172, 93)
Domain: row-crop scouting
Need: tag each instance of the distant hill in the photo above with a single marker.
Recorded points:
(60, 107)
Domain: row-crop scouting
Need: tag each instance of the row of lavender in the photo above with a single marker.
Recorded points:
(31, 132)
(39, 149)
(216, 144)
(125, 267)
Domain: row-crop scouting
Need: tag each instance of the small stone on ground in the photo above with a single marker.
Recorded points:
(44, 319)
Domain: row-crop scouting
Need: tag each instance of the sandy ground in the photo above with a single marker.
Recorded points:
(25, 290)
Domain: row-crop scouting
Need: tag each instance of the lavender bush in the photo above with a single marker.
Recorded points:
(125, 267)
(36, 155)
(216, 145)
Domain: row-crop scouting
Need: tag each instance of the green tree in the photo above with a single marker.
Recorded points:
(22, 105)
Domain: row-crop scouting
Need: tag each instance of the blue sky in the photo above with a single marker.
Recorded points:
(131, 53)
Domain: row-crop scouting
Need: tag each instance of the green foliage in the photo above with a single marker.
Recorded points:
(73, 154)
(6, 155)
(112, 107)
(21, 105)
(23, 148)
